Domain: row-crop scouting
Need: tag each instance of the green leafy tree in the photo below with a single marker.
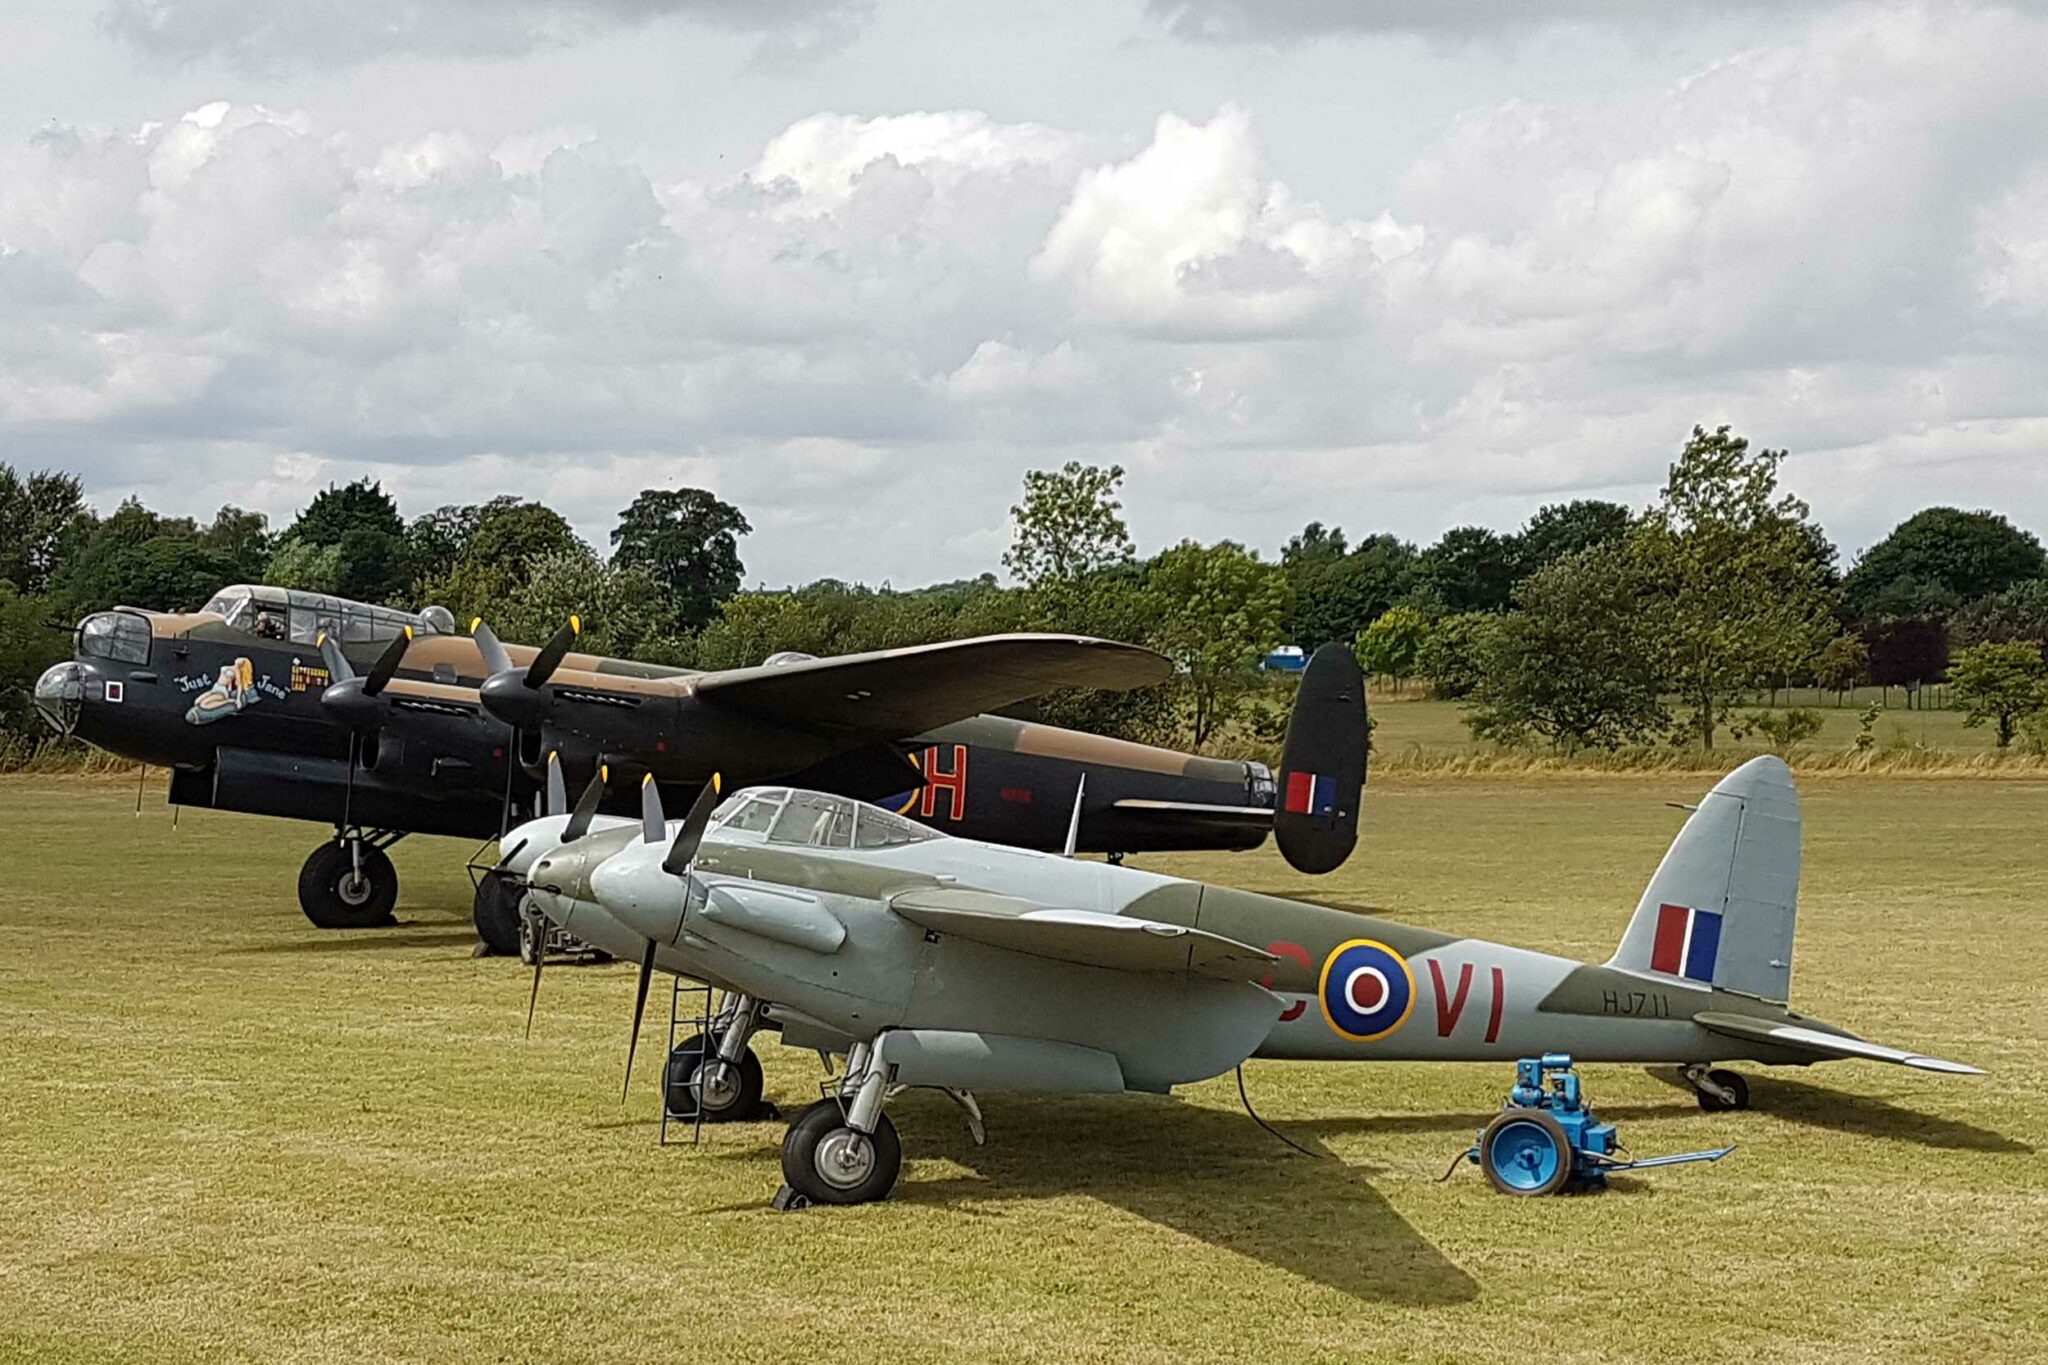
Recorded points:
(1392, 645)
(360, 522)
(1453, 656)
(340, 508)
(1316, 547)
(2003, 684)
(1070, 524)
(138, 558)
(1727, 572)
(498, 545)
(1787, 729)
(686, 540)
(302, 564)
(1471, 569)
(2018, 613)
(438, 538)
(43, 521)
(1216, 611)
(242, 538)
(1565, 528)
(1843, 664)
(1574, 664)
(1335, 599)
(27, 647)
(625, 613)
(1961, 555)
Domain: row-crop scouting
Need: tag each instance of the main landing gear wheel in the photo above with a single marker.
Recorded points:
(1734, 1091)
(731, 1090)
(827, 1162)
(1524, 1151)
(336, 895)
(496, 913)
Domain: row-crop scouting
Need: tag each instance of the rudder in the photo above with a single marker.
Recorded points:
(1722, 906)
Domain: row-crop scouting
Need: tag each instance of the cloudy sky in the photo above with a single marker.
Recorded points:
(857, 264)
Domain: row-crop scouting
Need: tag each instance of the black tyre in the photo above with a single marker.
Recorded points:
(334, 896)
(1730, 1081)
(829, 1163)
(733, 1097)
(1524, 1152)
(496, 913)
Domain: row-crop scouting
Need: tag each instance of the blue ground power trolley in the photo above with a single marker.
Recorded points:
(1545, 1139)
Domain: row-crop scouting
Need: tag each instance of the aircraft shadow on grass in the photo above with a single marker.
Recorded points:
(1205, 1173)
(1819, 1107)
(377, 940)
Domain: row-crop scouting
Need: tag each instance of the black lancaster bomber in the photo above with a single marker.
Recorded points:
(383, 723)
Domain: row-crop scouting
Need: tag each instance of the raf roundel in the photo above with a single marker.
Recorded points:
(1367, 990)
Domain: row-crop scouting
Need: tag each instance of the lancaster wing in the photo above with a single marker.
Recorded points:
(895, 692)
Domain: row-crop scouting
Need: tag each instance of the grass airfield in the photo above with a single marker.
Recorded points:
(226, 1135)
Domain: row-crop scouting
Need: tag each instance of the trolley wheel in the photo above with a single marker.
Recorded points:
(734, 1094)
(829, 1163)
(1733, 1083)
(495, 913)
(1525, 1151)
(335, 896)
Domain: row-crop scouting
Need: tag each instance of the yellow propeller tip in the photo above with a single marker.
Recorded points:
(647, 778)
(717, 782)
(575, 624)
(320, 639)
(474, 622)
(604, 772)
(408, 632)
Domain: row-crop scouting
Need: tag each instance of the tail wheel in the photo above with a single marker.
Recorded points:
(337, 894)
(730, 1092)
(830, 1163)
(1525, 1151)
(1736, 1088)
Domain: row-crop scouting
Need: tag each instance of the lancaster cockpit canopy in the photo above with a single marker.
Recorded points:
(302, 617)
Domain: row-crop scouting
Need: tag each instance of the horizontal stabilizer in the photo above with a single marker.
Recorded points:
(895, 692)
(1258, 817)
(1823, 1044)
(1090, 938)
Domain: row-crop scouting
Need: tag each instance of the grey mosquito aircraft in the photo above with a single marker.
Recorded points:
(934, 961)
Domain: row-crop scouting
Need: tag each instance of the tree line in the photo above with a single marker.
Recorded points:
(1591, 626)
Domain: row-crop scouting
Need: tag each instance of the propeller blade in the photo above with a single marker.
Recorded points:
(586, 809)
(558, 787)
(387, 663)
(683, 851)
(540, 955)
(552, 653)
(496, 660)
(639, 1009)
(338, 668)
(653, 823)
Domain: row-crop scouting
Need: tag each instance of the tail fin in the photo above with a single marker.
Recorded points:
(1322, 764)
(1721, 907)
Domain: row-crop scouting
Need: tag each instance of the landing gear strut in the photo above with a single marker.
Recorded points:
(1718, 1089)
(350, 883)
(844, 1150)
(717, 1070)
